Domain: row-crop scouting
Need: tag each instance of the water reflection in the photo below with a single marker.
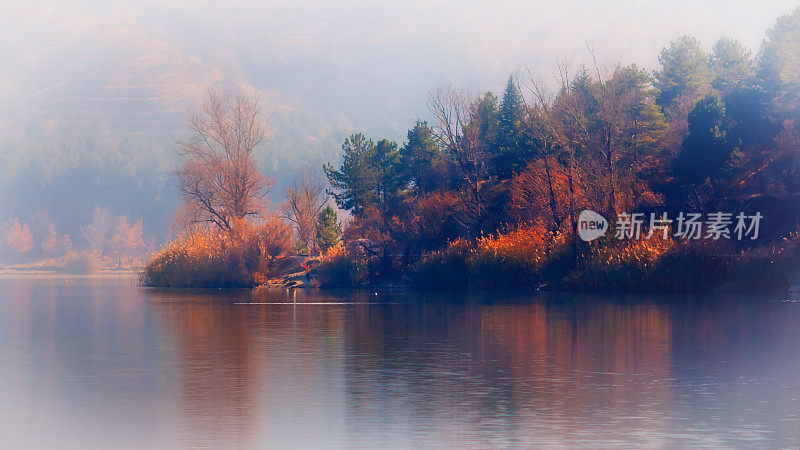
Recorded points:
(104, 363)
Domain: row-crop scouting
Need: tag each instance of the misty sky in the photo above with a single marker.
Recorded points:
(138, 66)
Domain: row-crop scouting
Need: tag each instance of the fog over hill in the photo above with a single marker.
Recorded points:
(94, 93)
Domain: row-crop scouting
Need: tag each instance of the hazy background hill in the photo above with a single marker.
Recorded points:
(95, 93)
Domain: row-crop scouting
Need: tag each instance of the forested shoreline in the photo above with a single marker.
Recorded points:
(487, 194)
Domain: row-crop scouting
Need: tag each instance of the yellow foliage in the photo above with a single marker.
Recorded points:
(531, 243)
(633, 252)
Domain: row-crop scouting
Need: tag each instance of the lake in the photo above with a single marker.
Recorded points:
(101, 363)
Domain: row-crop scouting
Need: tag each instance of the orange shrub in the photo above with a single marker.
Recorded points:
(532, 243)
(642, 253)
(204, 257)
(275, 239)
(514, 259)
(657, 264)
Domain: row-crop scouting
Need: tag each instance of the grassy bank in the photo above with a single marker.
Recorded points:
(211, 257)
(523, 258)
(529, 258)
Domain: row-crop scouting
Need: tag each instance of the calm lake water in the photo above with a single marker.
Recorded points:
(100, 363)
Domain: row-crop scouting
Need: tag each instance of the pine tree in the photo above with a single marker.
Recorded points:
(487, 117)
(511, 108)
(510, 143)
(684, 70)
(355, 182)
(707, 153)
(387, 162)
(329, 228)
(779, 57)
(421, 156)
(731, 66)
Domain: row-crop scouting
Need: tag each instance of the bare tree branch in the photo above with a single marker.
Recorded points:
(219, 181)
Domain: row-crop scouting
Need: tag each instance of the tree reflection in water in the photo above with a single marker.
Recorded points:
(112, 363)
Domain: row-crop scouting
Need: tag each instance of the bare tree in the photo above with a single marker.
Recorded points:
(126, 238)
(219, 181)
(305, 198)
(458, 130)
(97, 232)
(603, 130)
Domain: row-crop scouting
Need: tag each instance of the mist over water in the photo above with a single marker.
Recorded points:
(97, 97)
(100, 363)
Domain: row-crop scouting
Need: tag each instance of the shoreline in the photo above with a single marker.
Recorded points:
(31, 273)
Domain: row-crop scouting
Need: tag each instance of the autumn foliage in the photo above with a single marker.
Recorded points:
(105, 242)
(518, 258)
(489, 194)
(530, 257)
(213, 257)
